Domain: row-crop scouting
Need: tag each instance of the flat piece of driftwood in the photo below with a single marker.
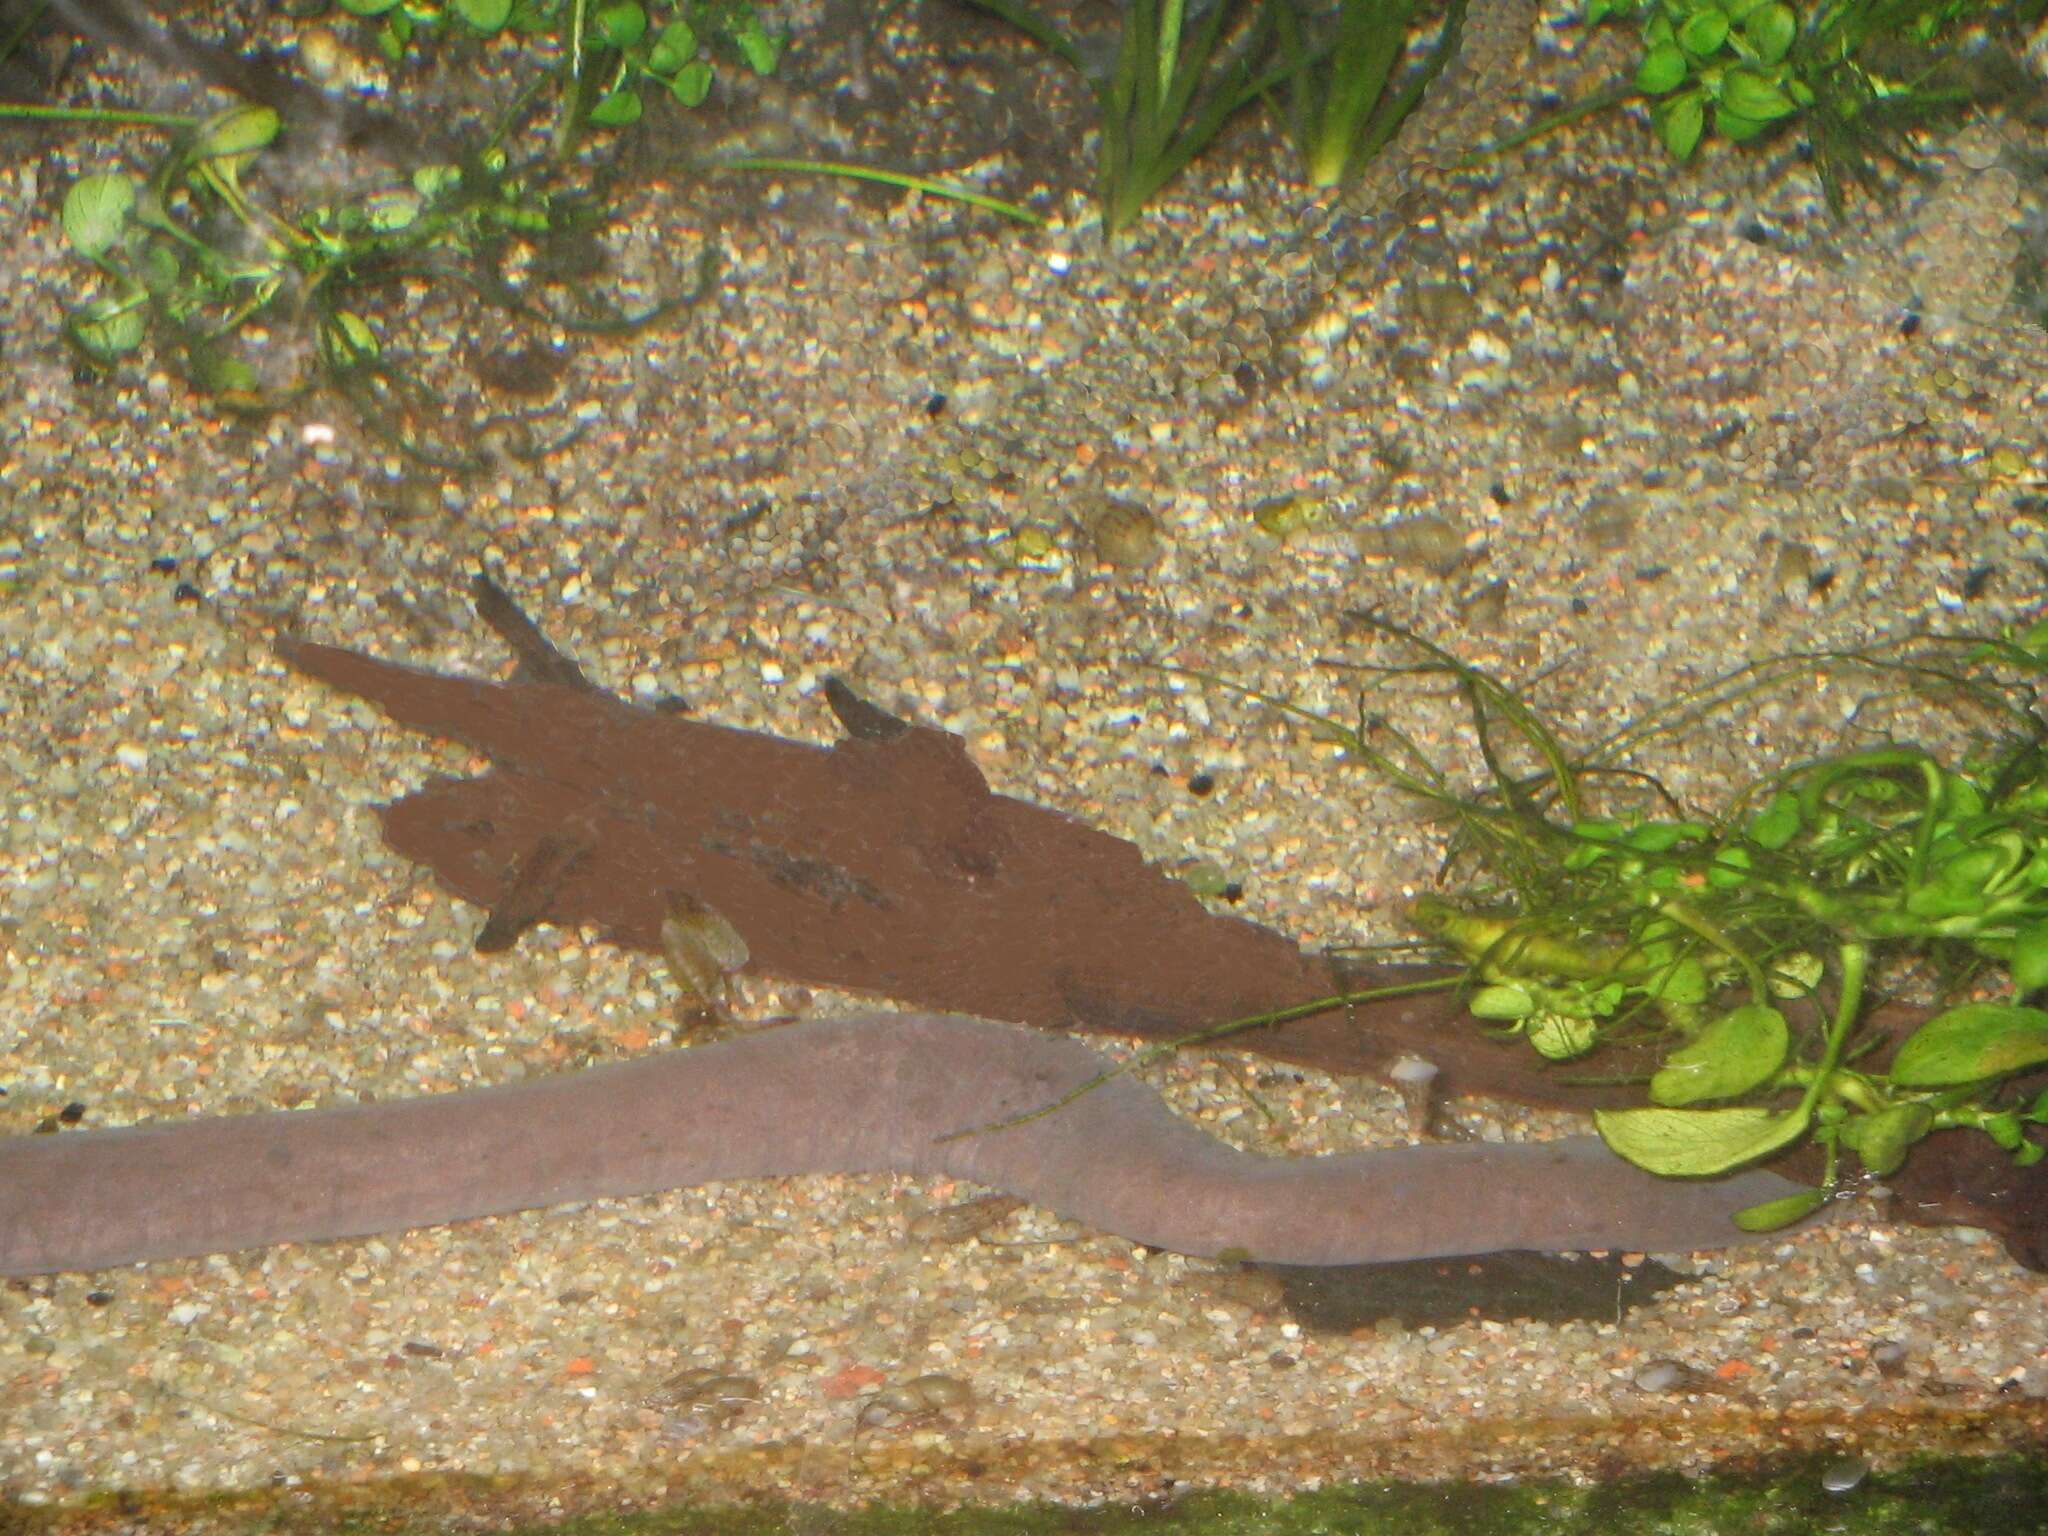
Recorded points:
(884, 864)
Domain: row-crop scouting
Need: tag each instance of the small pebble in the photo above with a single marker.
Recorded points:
(1844, 1475)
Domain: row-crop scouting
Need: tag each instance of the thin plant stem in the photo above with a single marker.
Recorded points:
(1152, 1053)
(110, 116)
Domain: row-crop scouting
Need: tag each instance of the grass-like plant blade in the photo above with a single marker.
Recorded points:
(951, 191)
(1370, 35)
(1035, 26)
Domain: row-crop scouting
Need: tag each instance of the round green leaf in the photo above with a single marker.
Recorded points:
(1663, 69)
(1502, 1001)
(1663, 836)
(619, 26)
(106, 328)
(96, 210)
(1691, 1143)
(1684, 981)
(1680, 122)
(1773, 1214)
(619, 109)
(1703, 32)
(1730, 868)
(1735, 1053)
(1770, 30)
(392, 209)
(1882, 1139)
(1736, 128)
(674, 46)
(1562, 1036)
(1777, 823)
(761, 51)
(349, 339)
(1751, 96)
(2030, 959)
(431, 181)
(1971, 1044)
(2004, 1130)
(237, 131)
(485, 16)
(692, 83)
(367, 7)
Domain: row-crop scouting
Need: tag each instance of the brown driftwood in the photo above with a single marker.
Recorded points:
(884, 864)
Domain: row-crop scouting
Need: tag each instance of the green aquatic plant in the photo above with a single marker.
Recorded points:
(1178, 74)
(1857, 75)
(194, 258)
(1741, 943)
(1341, 109)
(609, 51)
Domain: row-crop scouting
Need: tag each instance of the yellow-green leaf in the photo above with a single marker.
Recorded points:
(1971, 1044)
(1691, 1143)
(1735, 1053)
(1782, 1212)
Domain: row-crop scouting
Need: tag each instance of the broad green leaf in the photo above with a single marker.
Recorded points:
(107, 328)
(1685, 981)
(237, 131)
(674, 46)
(1663, 69)
(1680, 122)
(367, 7)
(1751, 96)
(692, 83)
(1882, 1139)
(2004, 1130)
(1735, 1053)
(1782, 1212)
(392, 209)
(2029, 960)
(1730, 868)
(618, 109)
(1796, 974)
(431, 181)
(1770, 30)
(1562, 1036)
(485, 16)
(349, 339)
(1971, 1044)
(1703, 32)
(1503, 1001)
(619, 26)
(1663, 836)
(96, 211)
(231, 381)
(1778, 823)
(761, 51)
(1736, 128)
(1691, 1143)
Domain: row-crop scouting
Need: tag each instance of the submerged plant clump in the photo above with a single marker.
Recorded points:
(262, 288)
(1857, 75)
(1742, 943)
(196, 260)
